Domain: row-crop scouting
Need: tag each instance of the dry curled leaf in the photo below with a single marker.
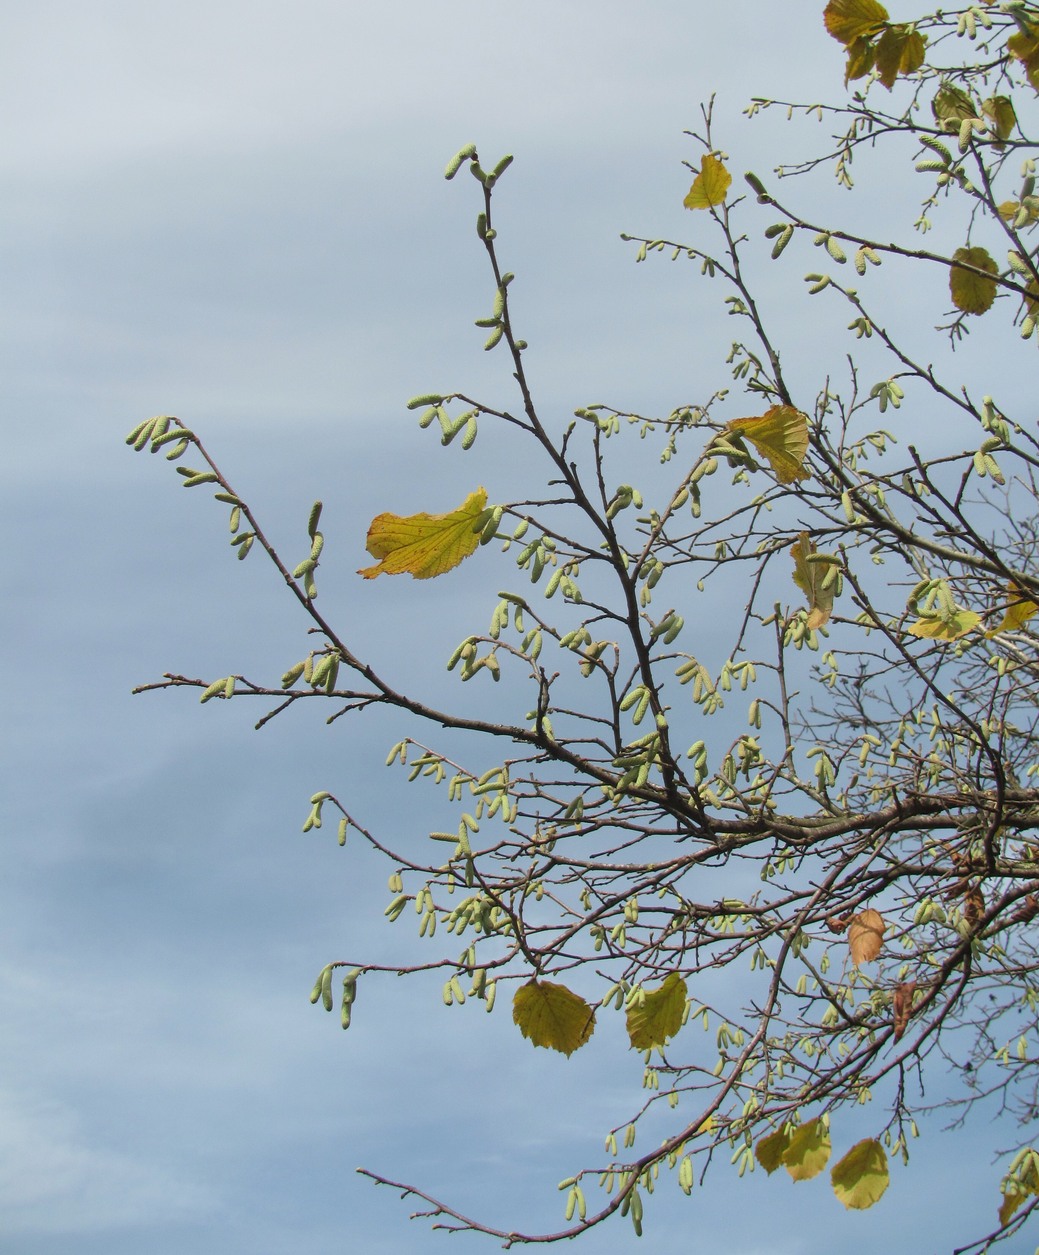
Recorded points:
(902, 1006)
(866, 936)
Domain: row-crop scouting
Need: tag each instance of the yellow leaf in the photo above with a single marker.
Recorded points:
(1018, 611)
(781, 437)
(424, 545)
(552, 1016)
(866, 936)
(660, 1015)
(971, 292)
(808, 1151)
(900, 50)
(861, 57)
(861, 1177)
(1017, 1187)
(945, 629)
(709, 186)
(1026, 49)
(770, 1150)
(1000, 112)
(848, 20)
(809, 577)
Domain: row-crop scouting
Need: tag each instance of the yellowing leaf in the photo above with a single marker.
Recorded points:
(660, 1015)
(710, 185)
(809, 577)
(862, 55)
(424, 545)
(861, 1177)
(552, 1016)
(900, 50)
(1026, 49)
(1018, 611)
(945, 629)
(808, 1152)
(950, 106)
(848, 20)
(770, 1150)
(971, 292)
(780, 436)
(1000, 112)
(866, 936)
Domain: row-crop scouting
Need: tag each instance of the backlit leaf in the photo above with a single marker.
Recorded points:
(552, 1016)
(950, 106)
(861, 1177)
(866, 936)
(848, 20)
(424, 545)
(971, 292)
(1026, 49)
(862, 55)
(900, 50)
(808, 1152)
(809, 577)
(945, 629)
(1018, 611)
(710, 185)
(770, 1150)
(1000, 112)
(780, 436)
(660, 1015)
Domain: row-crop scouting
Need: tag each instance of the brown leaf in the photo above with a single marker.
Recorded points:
(974, 904)
(866, 936)
(903, 1006)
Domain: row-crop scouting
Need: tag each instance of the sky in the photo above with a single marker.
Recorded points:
(235, 213)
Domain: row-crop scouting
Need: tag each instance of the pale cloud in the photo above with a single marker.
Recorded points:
(54, 1179)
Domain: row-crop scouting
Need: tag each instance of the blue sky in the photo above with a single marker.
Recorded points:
(234, 212)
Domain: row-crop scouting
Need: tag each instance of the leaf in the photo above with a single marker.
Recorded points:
(1022, 1182)
(780, 436)
(902, 1007)
(770, 1150)
(660, 1015)
(552, 1016)
(809, 577)
(862, 55)
(1000, 112)
(971, 292)
(1018, 611)
(710, 185)
(950, 106)
(1026, 49)
(861, 1177)
(900, 50)
(950, 629)
(424, 545)
(848, 20)
(808, 1152)
(866, 936)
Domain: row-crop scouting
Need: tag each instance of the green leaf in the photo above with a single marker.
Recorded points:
(971, 292)
(808, 1152)
(709, 186)
(861, 1177)
(660, 1015)
(770, 1150)
(553, 1016)
(424, 545)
